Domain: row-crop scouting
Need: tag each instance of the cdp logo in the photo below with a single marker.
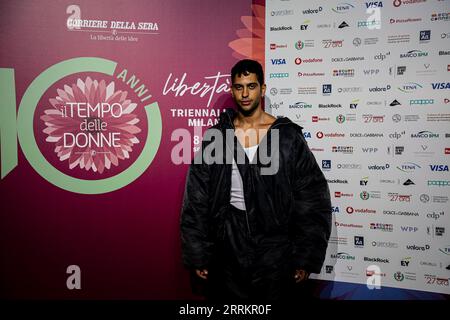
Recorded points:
(23, 126)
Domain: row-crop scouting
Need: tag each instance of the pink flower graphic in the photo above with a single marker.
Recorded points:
(250, 44)
(91, 125)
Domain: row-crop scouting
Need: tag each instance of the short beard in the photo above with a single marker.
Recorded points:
(249, 112)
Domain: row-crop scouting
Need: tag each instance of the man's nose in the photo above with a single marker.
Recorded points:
(245, 92)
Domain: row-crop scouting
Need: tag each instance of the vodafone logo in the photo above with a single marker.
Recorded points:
(319, 135)
(349, 210)
(298, 61)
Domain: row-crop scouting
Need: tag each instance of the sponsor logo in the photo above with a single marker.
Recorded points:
(398, 3)
(310, 74)
(329, 269)
(408, 167)
(285, 12)
(326, 164)
(328, 43)
(440, 85)
(408, 20)
(378, 260)
(380, 89)
(400, 213)
(424, 36)
(425, 134)
(399, 38)
(343, 25)
(405, 262)
(342, 255)
(379, 167)
(274, 46)
(342, 7)
(438, 167)
(374, 4)
(329, 105)
(439, 183)
(381, 56)
(279, 75)
(421, 102)
(386, 227)
(342, 149)
(281, 28)
(395, 197)
(340, 181)
(326, 89)
(385, 244)
(394, 103)
(435, 231)
(415, 247)
(435, 215)
(436, 281)
(351, 210)
(339, 194)
(409, 87)
(278, 61)
(348, 225)
(347, 59)
(299, 61)
(312, 11)
(347, 73)
(369, 149)
(299, 45)
(321, 135)
(352, 166)
(359, 241)
(414, 54)
(444, 16)
(409, 229)
(350, 89)
(444, 53)
(300, 105)
(334, 209)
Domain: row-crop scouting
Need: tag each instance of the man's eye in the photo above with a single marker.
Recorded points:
(252, 86)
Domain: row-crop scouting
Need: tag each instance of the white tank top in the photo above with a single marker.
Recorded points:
(237, 190)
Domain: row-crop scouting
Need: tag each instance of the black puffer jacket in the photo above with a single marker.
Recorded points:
(290, 209)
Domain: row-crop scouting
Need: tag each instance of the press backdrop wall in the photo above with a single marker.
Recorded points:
(369, 83)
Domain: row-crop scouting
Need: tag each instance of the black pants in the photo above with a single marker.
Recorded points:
(247, 267)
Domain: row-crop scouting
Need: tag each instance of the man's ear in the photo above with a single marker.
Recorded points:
(263, 89)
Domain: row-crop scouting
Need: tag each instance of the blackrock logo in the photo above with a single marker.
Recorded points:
(377, 260)
(281, 28)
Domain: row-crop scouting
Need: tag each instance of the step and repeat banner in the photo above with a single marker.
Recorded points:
(369, 83)
(102, 104)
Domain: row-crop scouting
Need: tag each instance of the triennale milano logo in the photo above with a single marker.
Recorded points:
(87, 122)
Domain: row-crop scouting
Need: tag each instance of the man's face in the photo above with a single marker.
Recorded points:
(247, 92)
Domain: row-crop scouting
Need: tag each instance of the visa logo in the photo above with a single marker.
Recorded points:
(438, 167)
(374, 4)
(441, 85)
(307, 135)
(335, 209)
(278, 61)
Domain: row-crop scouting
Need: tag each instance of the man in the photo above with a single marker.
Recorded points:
(246, 233)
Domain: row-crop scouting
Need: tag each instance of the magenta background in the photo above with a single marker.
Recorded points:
(126, 242)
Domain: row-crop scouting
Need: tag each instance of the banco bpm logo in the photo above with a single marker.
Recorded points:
(83, 124)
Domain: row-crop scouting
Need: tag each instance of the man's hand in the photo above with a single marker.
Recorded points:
(202, 273)
(300, 275)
